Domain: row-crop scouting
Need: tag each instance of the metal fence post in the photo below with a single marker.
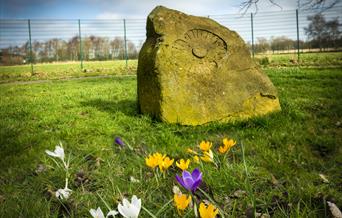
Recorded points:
(297, 22)
(126, 54)
(252, 30)
(80, 36)
(30, 44)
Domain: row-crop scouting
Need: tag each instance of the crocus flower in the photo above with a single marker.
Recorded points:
(159, 157)
(59, 152)
(63, 193)
(96, 213)
(227, 145)
(165, 164)
(130, 210)
(208, 156)
(99, 214)
(182, 164)
(196, 159)
(190, 181)
(209, 211)
(181, 201)
(151, 161)
(112, 213)
(205, 145)
(176, 190)
(119, 141)
(189, 150)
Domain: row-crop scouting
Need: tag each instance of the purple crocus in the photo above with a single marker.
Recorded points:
(119, 141)
(190, 181)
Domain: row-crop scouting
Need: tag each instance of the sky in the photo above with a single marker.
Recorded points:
(269, 21)
(119, 9)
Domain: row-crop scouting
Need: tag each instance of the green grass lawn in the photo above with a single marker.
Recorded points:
(53, 71)
(284, 153)
(66, 70)
(305, 59)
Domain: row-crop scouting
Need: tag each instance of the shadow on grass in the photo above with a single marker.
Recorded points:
(127, 107)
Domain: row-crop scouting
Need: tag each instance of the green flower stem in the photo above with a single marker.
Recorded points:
(149, 212)
(104, 201)
(249, 188)
(195, 208)
(156, 176)
(163, 207)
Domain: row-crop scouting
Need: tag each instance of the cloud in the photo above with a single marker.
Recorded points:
(140, 9)
(109, 15)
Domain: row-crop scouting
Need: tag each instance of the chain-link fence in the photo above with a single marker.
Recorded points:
(292, 32)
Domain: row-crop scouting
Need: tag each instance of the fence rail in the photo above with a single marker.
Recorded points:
(39, 41)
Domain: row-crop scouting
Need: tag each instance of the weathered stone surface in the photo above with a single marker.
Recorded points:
(192, 71)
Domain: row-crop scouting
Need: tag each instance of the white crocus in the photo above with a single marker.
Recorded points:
(63, 193)
(96, 213)
(99, 214)
(59, 152)
(130, 210)
(112, 213)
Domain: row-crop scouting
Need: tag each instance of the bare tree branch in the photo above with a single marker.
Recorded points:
(321, 5)
(246, 5)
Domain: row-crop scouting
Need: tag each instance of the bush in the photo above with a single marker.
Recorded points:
(264, 61)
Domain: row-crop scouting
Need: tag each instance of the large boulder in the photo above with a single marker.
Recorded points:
(192, 71)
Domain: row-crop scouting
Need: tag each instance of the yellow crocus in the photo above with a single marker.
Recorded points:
(182, 164)
(151, 161)
(205, 145)
(191, 151)
(196, 159)
(181, 201)
(227, 145)
(159, 157)
(165, 164)
(209, 211)
(208, 156)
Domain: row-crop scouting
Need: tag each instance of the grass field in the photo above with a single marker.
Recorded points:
(118, 67)
(284, 153)
(66, 70)
(305, 59)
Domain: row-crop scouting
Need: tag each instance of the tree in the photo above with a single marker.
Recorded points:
(131, 50)
(74, 48)
(322, 32)
(334, 34)
(316, 28)
(118, 47)
(302, 4)
(282, 43)
(262, 45)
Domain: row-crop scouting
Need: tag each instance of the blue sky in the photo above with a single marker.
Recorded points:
(269, 21)
(119, 9)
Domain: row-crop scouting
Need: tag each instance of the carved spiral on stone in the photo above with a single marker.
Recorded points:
(202, 49)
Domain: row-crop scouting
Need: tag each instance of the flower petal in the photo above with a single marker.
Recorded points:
(53, 154)
(196, 185)
(112, 213)
(122, 210)
(99, 213)
(92, 212)
(126, 203)
(119, 141)
(180, 181)
(60, 152)
(189, 182)
(186, 174)
(136, 202)
(196, 174)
